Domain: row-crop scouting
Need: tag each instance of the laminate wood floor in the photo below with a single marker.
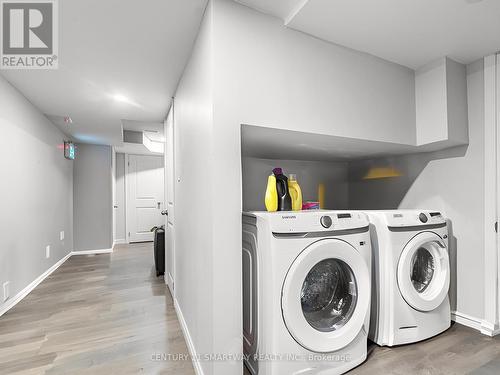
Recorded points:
(458, 351)
(100, 314)
(109, 314)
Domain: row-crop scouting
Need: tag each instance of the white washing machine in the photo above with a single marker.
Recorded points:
(306, 291)
(410, 276)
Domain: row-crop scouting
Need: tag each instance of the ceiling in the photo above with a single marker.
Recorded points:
(408, 32)
(118, 60)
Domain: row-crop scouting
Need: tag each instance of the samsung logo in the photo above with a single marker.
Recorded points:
(289, 217)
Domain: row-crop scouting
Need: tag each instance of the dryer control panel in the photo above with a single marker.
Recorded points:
(414, 218)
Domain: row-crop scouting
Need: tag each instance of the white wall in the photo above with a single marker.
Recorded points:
(119, 211)
(451, 181)
(270, 75)
(194, 203)
(441, 104)
(92, 198)
(431, 102)
(247, 68)
(334, 175)
(36, 191)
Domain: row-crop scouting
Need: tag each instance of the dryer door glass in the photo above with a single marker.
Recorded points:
(422, 269)
(329, 295)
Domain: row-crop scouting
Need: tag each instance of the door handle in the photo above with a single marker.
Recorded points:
(164, 213)
(159, 204)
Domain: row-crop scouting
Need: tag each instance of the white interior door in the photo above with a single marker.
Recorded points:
(497, 181)
(170, 196)
(495, 118)
(145, 196)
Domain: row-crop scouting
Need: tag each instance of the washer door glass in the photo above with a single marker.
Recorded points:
(329, 295)
(422, 269)
(325, 299)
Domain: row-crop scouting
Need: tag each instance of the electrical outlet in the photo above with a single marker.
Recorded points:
(47, 252)
(6, 290)
(61, 235)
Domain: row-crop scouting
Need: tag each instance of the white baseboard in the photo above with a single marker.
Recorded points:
(480, 325)
(11, 302)
(192, 351)
(466, 320)
(120, 242)
(90, 252)
(489, 329)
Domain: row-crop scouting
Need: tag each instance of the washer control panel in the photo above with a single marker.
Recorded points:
(326, 221)
(314, 220)
(423, 218)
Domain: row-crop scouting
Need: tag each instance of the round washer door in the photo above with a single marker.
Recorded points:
(326, 296)
(424, 272)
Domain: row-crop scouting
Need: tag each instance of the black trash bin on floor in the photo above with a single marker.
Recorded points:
(159, 250)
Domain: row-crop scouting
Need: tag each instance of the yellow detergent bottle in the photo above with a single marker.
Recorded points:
(271, 198)
(321, 195)
(295, 192)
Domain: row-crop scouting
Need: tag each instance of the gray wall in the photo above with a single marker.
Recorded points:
(93, 219)
(334, 175)
(194, 250)
(267, 75)
(120, 198)
(451, 181)
(36, 192)
(246, 68)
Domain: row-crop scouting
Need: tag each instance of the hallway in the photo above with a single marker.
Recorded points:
(101, 314)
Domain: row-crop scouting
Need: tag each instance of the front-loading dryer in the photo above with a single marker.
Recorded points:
(306, 291)
(410, 276)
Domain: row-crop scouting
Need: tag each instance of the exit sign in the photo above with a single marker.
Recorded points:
(69, 150)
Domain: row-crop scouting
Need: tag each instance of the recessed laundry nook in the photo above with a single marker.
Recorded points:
(300, 291)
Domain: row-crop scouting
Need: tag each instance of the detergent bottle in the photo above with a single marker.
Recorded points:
(295, 192)
(271, 199)
(321, 195)
(284, 200)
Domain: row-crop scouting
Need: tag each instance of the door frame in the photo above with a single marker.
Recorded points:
(491, 324)
(113, 192)
(170, 282)
(127, 233)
